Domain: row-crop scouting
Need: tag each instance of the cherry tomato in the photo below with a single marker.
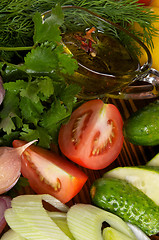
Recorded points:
(93, 137)
(48, 172)
(145, 2)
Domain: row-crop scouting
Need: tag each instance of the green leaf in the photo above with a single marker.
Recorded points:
(48, 30)
(56, 114)
(7, 139)
(10, 104)
(40, 133)
(67, 64)
(68, 95)
(41, 59)
(7, 125)
(44, 137)
(31, 92)
(46, 86)
(57, 15)
(10, 123)
(28, 134)
(31, 112)
(15, 87)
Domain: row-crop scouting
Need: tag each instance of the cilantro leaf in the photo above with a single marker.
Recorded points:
(10, 104)
(48, 30)
(7, 139)
(41, 59)
(15, 87)
(57, 15)
(31, 92)
(55, 114)
(46, 87)
(67, 64)
(40, 133)
(7, 125)
(28, 133)
(30, 110)
(68, 95)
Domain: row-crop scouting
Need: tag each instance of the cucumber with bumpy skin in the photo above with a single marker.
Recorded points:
(142, 128)
(145, 178)
(126, 201)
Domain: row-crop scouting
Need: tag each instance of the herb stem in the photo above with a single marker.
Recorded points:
(16, 48)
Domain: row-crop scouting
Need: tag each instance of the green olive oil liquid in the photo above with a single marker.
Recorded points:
(105, 65)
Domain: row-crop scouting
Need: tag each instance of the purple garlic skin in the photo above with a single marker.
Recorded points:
(2, 91)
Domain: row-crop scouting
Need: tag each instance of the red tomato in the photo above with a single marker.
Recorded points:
(50, 173)
(145, 2)
(93, 137)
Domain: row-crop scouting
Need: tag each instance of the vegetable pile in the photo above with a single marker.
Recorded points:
(36, 103)
(42, 100)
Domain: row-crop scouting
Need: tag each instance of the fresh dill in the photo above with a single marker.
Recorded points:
(17, 27)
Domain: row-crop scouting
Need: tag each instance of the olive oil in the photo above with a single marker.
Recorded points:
(104, 63)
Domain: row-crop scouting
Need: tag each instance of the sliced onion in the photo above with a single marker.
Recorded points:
(11, 235)
(5, 203)
(85, 222)
(30, 220)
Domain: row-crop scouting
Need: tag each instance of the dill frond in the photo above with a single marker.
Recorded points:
(17, 27)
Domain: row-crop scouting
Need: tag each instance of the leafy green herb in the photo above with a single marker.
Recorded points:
(17, 26)
(35, 107)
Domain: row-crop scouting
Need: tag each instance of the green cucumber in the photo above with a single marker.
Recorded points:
(142, 127)
(145, 178)
(126, 201)
(154, 161)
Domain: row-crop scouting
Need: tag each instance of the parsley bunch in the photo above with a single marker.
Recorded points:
(35, 105)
